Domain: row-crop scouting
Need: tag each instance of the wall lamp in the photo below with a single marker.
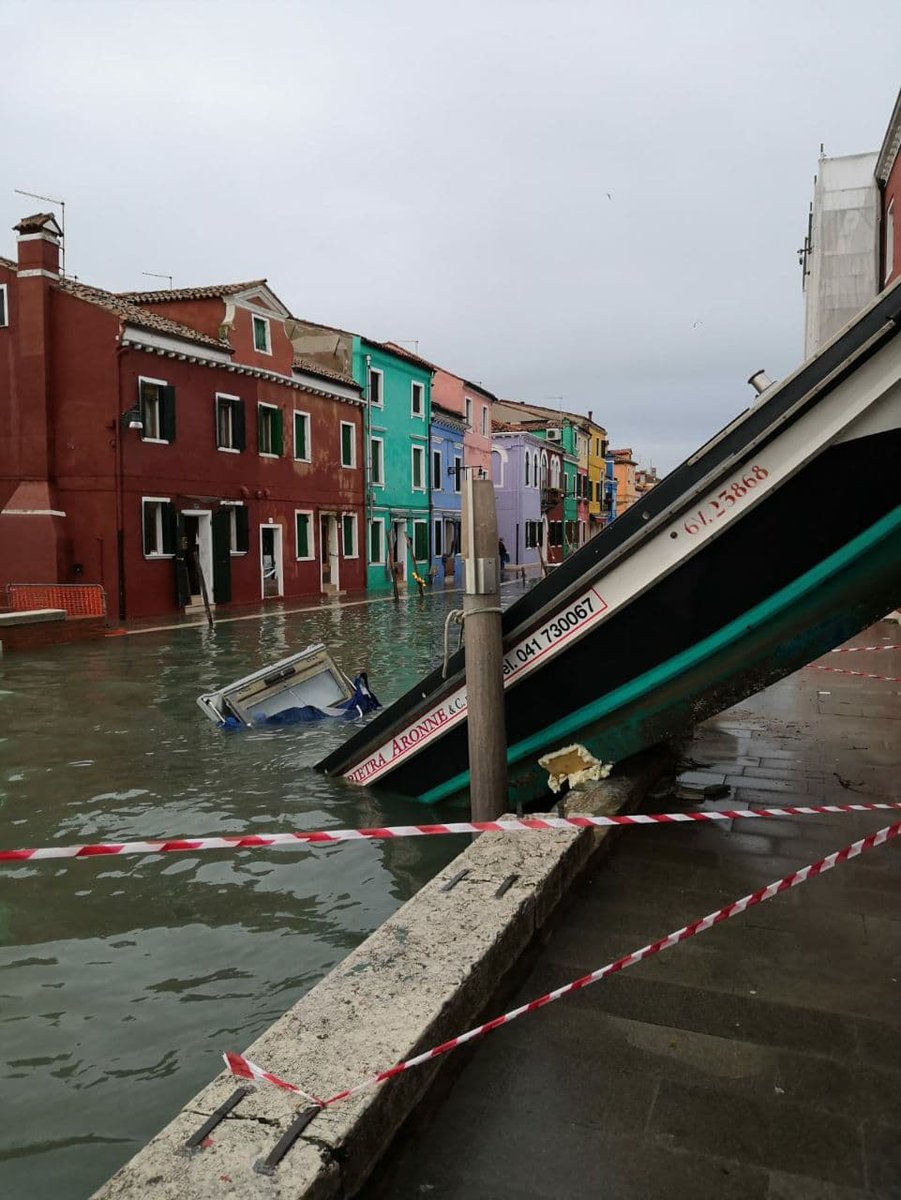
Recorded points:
(132, 418)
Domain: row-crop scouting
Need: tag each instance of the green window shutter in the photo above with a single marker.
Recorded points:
(303, 535)
(242, 540)
(167, 413)
(261, 423)
(170, 528)
(300, 436)
(239, 436)
(420, 541)
(148, 517)
(347, 445)
(278, 441)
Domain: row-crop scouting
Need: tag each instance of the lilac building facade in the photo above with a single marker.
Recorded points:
(515, 470)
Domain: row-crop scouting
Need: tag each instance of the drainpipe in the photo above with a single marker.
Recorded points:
(367, 459)
(120, 487)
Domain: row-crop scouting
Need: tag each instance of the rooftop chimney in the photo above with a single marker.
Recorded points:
(39, 240)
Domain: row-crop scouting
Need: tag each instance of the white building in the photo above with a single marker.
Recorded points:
(841, 252)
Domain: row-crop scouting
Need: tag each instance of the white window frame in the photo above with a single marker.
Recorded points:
(380, 457)
(485, 429)
(376, 562)
(889, 240)
(299, 412)
(467, 406)
(154, 441)
(380, 403)
(353, 445)
(458, 475)
(231, 422)
(352, 517)
(311, 538)
(261, 404)
(420, 487)
(4, 306)
(264, 321)
(158, 501)
(437, 482)
(414, 384)
(233, 506)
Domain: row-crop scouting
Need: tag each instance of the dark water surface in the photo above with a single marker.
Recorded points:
(123, 979)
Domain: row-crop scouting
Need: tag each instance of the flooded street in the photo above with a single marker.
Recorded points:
(123, 979)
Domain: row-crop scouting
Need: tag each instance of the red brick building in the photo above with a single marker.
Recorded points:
(148, 440)
(888, 178)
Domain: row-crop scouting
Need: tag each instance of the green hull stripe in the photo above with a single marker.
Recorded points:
(733, 632)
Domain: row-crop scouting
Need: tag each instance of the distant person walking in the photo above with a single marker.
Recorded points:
(502, 554)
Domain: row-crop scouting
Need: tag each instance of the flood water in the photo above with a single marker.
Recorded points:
(122, 980)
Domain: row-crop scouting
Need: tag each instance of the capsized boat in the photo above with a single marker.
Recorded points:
(774, 542)
(307, 686)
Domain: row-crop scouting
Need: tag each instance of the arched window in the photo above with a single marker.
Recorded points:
(544, 468)
(527, 468)
(555, 472)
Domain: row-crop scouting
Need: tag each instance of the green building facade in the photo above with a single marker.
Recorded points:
(397, 390)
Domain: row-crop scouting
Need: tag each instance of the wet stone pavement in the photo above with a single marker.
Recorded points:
(761, 1059)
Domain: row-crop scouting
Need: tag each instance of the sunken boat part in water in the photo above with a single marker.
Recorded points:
(307, 686)
(774, 542)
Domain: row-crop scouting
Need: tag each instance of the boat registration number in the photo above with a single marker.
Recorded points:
(717, 506)
(545, 641)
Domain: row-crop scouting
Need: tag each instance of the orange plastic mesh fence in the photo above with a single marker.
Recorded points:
(78, 599)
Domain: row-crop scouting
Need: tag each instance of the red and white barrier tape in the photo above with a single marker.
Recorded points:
(859, 674)
(860, 649)
(254, 841)
(245, 1069)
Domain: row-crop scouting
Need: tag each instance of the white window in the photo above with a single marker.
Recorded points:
(261, 341)
(4, 306)
(229, 423)
(458, 472)
(376, 387)
(377, 540)
(158, 519)
(302, 436)
(468, 403)
(436, 538)
(303, 535)
(418, 462)
(417, 399)
(436, 471)
(348, 444)
(349, 534)
(889, 242)
(484, 420)
(269, 430)
(156, 401)
(528, 459)
(237, 527)
(377, 459)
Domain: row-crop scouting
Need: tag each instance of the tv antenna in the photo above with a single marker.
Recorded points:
(156, 275)
(62, 221)
(414, 342)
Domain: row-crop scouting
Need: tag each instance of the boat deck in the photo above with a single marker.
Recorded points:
(760, 1060)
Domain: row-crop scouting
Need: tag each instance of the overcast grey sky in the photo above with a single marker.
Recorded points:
(440, 172)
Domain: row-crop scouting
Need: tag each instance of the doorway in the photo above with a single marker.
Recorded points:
(197, 549)
(399, 550)
(271, 560)
(328, 552)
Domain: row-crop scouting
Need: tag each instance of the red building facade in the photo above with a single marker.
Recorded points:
(888, 177)
(164, 447)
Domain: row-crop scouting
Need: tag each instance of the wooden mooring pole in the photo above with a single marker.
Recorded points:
(483, 652)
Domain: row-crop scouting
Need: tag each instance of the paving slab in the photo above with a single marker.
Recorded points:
(760, 1059)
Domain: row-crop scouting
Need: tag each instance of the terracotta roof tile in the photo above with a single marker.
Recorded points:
(315, 368)
(207, 292)
(400, 352)
(136, 315)
(36, 223)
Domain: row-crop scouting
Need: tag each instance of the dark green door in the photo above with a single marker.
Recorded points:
(222, 562)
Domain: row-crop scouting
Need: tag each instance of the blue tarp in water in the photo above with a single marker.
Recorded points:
(361, 702)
